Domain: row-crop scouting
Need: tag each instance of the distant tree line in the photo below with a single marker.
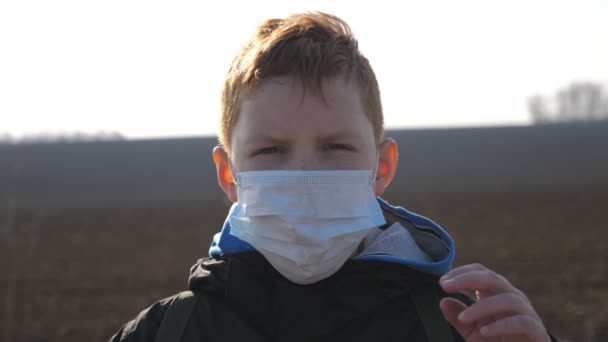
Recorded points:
(583, 101)
(51, 137)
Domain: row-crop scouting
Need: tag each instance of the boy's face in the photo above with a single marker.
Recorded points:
(280, 127)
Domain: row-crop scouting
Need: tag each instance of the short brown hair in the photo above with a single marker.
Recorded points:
(311, 47)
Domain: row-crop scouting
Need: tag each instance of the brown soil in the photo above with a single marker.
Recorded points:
(79, 274)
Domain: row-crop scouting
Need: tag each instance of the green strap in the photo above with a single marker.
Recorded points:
(177, 316)
(435, 326)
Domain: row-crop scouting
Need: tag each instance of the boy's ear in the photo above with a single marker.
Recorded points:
(387, 165)
(224, 176)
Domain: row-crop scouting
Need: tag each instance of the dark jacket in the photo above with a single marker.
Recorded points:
(241, 297)
(245, 299)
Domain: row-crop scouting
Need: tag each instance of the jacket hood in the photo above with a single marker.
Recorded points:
(429, 236)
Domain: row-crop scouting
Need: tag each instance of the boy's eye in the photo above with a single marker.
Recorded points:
(343, 147)
(269, 150)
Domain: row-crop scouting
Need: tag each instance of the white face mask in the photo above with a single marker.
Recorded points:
(305, 223)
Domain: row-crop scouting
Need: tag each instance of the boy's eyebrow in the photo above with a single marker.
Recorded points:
(265, 139)
(341, 134)
(326, 136)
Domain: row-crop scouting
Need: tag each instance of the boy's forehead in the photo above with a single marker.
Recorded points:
(283, 105)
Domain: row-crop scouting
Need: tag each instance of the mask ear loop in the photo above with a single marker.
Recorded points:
(376, 168)
(232, 168)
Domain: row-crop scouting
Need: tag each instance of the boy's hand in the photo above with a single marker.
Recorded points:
(501, 313)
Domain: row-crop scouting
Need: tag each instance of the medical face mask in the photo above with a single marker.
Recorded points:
(305, 223)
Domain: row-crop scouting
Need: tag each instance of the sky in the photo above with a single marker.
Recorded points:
(154, 69)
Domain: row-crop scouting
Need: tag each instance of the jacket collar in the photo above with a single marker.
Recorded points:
(427, 234)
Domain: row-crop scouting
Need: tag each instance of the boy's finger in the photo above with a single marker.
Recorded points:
(498, 305)
(518, 325)
(463, 269)
(485, 280)
(451, 308)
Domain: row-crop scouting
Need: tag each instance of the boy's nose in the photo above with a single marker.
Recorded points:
(305, 161)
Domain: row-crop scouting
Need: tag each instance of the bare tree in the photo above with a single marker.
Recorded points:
(585, 101)
(5, 138)
(52, 137)
(538, 108)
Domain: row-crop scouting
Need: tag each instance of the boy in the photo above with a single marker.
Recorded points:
(308, 251)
